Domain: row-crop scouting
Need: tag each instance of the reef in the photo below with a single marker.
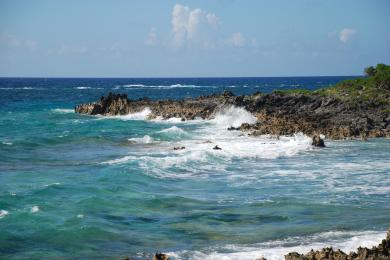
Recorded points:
(358, 108)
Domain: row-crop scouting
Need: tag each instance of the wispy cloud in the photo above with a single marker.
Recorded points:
(237, 40)
(346, 34)
(68, 50)
(152, 39)
(12, 41)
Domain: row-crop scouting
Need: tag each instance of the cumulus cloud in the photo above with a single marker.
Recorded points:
(237, 40)
(191, 25)
(152, 37)
(346, 34)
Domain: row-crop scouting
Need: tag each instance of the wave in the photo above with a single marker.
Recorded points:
(82, 87)
(142, 140)
(63, 110)
(174, 132)
(142, 115)
(3, 213)
(7, 143)
(275, 250)
(173, 86)
(233, 116)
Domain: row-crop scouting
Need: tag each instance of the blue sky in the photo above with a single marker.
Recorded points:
(167, 38)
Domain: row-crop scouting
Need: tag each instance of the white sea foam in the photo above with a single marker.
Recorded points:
(142, 115)
(146, 139)
(34, 209)
(7, 143)
(80, 216)
(82, 87)
(119, 160)
(174, 131)
(63, 110)
(275, 250)
(233, 116)
(3, 213)
(199, 142)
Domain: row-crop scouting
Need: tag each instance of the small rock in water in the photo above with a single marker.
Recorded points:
(217, 148)
(179, 148)
(160, 256)
(317, 141)
(232, 128)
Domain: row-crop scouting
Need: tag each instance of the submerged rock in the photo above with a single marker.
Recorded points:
(160, 256)
(318, 141)
(217, 148)
(179, 148)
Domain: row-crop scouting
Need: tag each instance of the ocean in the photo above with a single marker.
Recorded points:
(78, 186)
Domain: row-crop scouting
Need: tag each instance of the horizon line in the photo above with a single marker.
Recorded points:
(165, 77)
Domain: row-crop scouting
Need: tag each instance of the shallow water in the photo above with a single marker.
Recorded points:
(88, 186)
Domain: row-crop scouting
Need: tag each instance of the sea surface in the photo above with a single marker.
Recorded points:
(93, 187)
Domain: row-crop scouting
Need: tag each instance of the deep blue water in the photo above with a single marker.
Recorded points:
(87, 186)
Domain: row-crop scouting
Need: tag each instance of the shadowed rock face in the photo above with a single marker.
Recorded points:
(277, 113)
(380, 252)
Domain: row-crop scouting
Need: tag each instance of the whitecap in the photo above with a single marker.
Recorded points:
(34, 209)
(7, 143)
(63, 110)
(174, 131)
(82, 87)
(3, 213)
(146, 139)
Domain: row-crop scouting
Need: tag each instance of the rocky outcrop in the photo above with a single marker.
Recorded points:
(380, 252)
(277, 113)
(317, 141)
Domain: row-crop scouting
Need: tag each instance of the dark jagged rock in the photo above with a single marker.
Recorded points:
(217, 148)
(232, 128)
(160, 256)
(318, 141)
(380, 252)
(179, 148)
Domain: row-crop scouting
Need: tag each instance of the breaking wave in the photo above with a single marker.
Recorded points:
(275, 250)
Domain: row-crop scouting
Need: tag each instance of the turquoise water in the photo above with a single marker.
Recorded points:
(85, 186)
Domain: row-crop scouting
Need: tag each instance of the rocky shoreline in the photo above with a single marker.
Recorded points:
(276, 113)
(379, 252)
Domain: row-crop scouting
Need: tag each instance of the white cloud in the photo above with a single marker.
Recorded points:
(68, 50)
(346, 34)
(152, 37)
(191, 25)
(14, 42)
(237, 40)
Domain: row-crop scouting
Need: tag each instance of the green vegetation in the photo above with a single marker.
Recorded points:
(374, 88)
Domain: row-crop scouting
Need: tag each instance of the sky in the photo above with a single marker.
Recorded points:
(205, 38)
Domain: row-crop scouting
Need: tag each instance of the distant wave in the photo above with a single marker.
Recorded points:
(82, 87)
(141, 86)
(63, 110)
